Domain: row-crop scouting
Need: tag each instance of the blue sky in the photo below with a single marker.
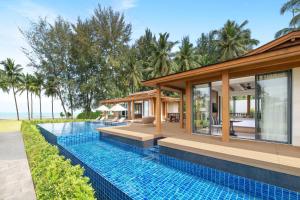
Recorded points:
(179, 18)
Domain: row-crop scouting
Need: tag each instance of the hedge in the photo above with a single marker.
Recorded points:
(88, 115)
(54, 177)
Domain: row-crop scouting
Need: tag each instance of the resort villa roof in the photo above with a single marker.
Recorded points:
(280, 54)
(138, 96)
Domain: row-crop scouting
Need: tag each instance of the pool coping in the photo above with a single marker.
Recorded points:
(225, 159)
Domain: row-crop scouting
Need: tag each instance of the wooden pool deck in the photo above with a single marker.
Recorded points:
(272, 156)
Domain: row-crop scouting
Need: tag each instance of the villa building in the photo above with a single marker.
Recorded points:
(142, 104)
(262, 142)
(269, 74)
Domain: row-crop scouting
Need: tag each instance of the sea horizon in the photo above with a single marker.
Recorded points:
(24, 115)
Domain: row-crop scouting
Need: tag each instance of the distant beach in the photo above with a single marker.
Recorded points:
(24, 115)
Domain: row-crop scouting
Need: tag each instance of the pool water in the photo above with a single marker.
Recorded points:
(146, 174)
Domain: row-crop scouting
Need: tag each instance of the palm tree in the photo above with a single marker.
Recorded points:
(162, 57)
(233, 40)
(3, 81)
(14, 76)
(51, 90)
(292, 6)
(186, 58)
(206, 49)
(25, 85)
(134, 70)
(39, 82)
(33, 91)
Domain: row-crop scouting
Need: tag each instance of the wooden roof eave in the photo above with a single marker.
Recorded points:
(259, 60)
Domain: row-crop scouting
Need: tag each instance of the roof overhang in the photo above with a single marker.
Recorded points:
(144, 95)
(280, 54)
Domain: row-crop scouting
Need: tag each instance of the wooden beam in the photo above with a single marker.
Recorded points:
(225, 107)
(158, 110)
(181, 111)
(188, 103)
(172, 88)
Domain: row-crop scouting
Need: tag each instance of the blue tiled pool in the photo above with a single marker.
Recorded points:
(121, 171)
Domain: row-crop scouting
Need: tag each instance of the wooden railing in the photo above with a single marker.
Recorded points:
(241, 115)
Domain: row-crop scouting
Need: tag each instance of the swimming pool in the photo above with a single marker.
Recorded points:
(121, 171)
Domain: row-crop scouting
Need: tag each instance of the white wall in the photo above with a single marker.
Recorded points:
(296, 107)
(241, 105)
(173, 107)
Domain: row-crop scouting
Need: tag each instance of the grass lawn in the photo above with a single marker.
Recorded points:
(9, 126)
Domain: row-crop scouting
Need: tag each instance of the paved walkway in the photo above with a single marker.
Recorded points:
(15, 177)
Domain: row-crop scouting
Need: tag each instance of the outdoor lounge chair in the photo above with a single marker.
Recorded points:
(148, 120)
(122, 119)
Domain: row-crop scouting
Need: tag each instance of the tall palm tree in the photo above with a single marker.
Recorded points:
(186, 58)
(162, 57)
(233, 40)
(3, 81)
(51, 90)
(134, 70)
(13, 73)
(206, 49)
(39, 82)
(292, 6)
(25, 85)
(33, 91)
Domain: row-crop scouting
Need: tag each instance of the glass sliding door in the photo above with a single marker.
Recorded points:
(273, 107)
(201, 108)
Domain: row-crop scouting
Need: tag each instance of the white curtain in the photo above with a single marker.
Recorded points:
(273, 106)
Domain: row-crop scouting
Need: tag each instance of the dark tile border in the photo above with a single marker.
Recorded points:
(271, 177)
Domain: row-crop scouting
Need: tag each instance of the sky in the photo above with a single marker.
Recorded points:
(178, 17)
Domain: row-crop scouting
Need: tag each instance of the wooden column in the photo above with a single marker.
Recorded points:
(151, 112)
(181, 110)
(158, 110)
(132, 110)
(225, 107)
(129, 110)
(166, 109)
(248, 105)
(188, 103)
(154, 107)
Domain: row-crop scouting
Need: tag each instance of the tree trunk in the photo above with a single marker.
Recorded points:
(16, 103)
(28, 109)
(62, 103)
(52, 107)
(31, 105)
(40, 104)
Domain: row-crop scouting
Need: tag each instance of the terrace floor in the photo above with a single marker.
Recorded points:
(273, 156)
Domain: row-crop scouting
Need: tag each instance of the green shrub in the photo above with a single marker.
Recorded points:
(88, 115)
(54, 177)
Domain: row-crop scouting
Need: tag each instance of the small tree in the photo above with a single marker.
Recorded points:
(62, 115)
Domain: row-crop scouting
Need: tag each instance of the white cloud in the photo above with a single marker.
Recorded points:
(123, 5)
(32, 11)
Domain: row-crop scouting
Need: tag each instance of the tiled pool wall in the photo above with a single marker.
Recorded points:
(141, 144)
(243, 184)
(267, 176)
(105, 190)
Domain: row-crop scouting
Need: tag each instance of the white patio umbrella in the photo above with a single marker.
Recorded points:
(117, 108)
(102, 108)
